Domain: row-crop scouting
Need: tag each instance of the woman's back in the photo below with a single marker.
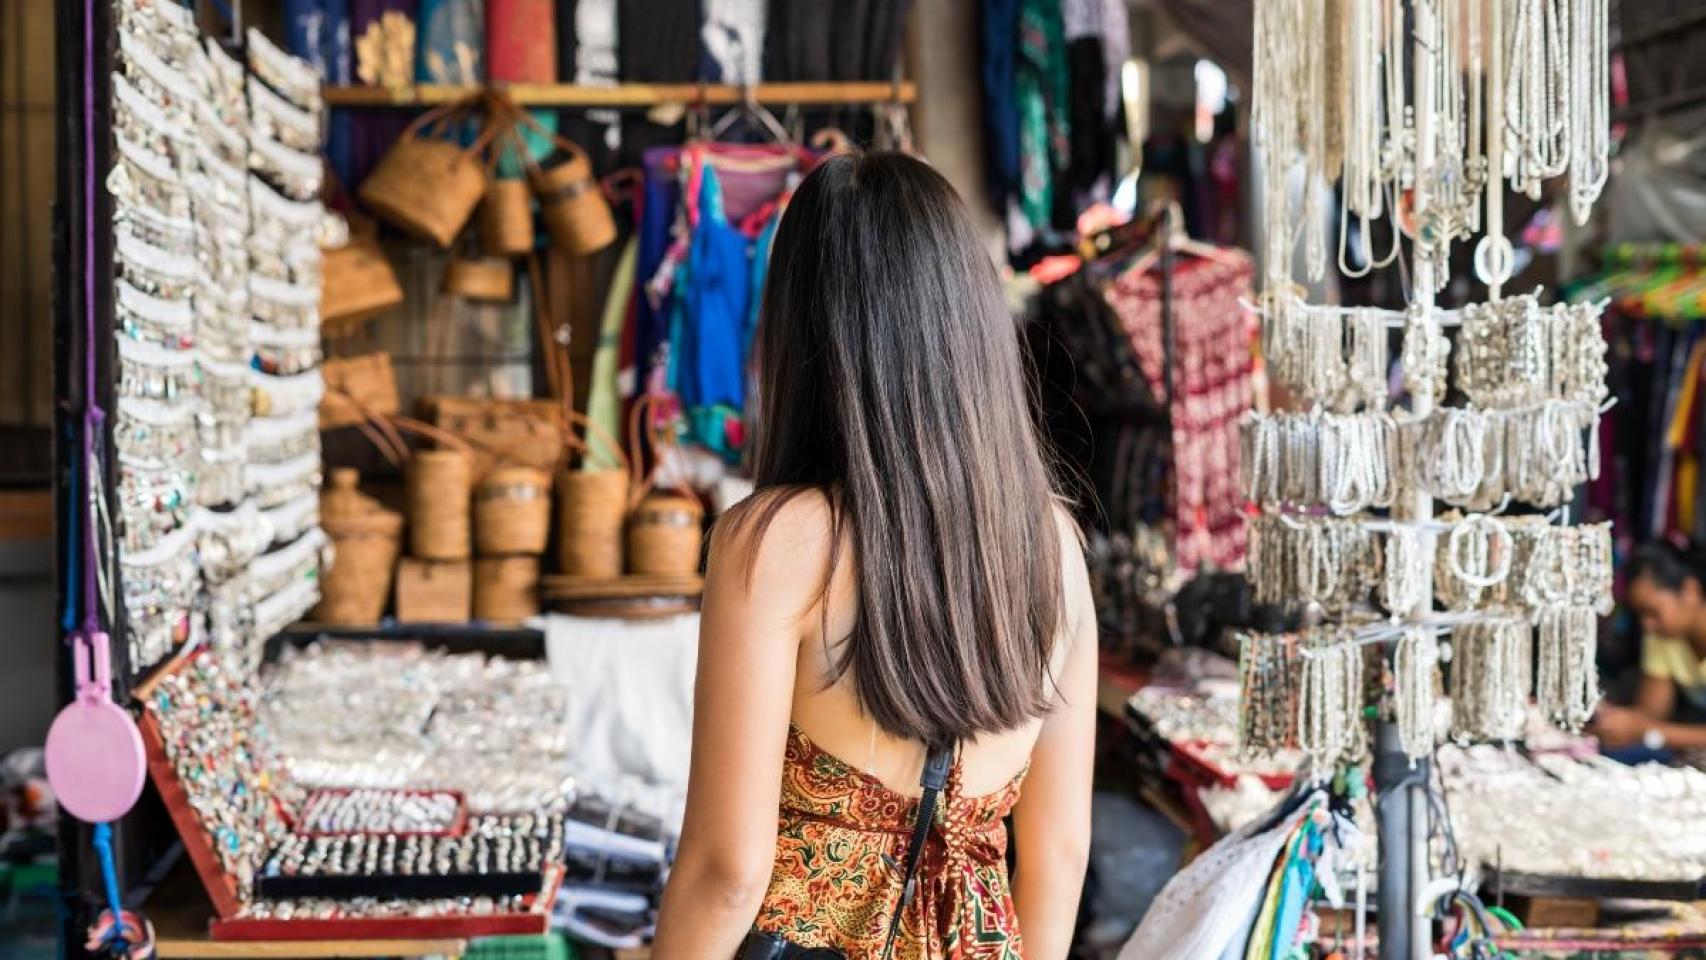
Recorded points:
(849, 789)
(903, 581)
(826, 706)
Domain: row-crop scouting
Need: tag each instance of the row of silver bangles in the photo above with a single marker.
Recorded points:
(1464, 563)
(1507, 354)
(1476, 459)
(1309, 691)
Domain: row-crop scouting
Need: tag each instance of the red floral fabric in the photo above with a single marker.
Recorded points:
(840, 854)
(1212, 369)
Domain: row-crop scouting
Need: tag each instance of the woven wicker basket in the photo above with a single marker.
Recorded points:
(664, 535)
(512, 512)
(572, 203)
(506, 589)
(357, 389)
(427, 185)
(366, 539)
(591, 507)
(506, 219)
(439, 484)
(356, 282)
(665, 528)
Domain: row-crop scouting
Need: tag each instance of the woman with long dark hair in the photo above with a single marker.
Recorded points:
(901, 595)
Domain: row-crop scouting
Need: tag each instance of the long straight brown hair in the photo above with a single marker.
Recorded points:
(890, 377)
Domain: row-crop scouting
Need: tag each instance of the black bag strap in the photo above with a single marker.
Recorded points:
(933, 780)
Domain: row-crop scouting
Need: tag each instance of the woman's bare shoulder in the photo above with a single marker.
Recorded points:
(779, 538)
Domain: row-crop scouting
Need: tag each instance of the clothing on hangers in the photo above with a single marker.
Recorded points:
(1212, 367)
(708, 324)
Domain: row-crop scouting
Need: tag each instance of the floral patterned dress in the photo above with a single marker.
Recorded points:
(841, 852)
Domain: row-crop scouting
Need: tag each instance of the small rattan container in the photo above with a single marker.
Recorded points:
(506, 589)
(439, 485)
(366, 539)
(664, 535)
(512, 512)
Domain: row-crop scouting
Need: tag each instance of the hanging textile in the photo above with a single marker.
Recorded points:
(521, 41)
(452, 42)
(1211, 383)
(749, 178)
(710, 320)
(1042, 90)
(998, 31)
(604, 400)
(733, 36)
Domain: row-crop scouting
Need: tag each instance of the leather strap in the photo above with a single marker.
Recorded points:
(933, 779)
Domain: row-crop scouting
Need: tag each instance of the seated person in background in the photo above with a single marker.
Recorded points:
(1667, 593)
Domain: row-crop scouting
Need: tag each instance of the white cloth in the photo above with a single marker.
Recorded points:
(630, 711)
(733, 35)
(1210, 903)
(595, 42)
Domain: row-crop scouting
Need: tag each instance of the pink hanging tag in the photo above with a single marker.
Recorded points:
(94, 756)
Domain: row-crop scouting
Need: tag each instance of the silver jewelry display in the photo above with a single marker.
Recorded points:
(1330, 698)
(1415, 690)
(1567, 679)
(188, 236)
(1503, 90)
(1491, 677)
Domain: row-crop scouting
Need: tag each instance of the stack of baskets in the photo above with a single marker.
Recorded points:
(479, 511)
(620, 543)
(512, 522)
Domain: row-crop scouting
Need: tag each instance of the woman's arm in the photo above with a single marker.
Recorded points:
(1618, 727)
(1051, 823)
(748, 646)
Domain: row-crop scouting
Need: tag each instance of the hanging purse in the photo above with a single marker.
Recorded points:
(762, 945)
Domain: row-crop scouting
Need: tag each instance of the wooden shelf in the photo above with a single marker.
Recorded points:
(632, 95)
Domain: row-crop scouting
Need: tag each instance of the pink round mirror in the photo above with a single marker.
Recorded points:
(94, 754)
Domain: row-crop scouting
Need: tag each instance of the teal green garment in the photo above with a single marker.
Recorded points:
(450, 42)
(604, 400)
(538, 141)
(1295, 890)
(1042, 89)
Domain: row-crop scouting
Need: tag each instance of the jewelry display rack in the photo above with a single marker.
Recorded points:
(1414, 152)
(84, 323)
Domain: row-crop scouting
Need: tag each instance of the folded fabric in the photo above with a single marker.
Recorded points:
(1210, 903)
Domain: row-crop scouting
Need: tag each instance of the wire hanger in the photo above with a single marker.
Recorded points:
(1170, 233)
(755, 113)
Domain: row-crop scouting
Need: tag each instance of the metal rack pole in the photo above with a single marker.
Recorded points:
(1403, 805)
